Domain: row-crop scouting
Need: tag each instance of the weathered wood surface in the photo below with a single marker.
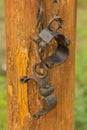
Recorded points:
(21, 56)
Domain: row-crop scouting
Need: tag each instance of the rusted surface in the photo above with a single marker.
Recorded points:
(21, 56)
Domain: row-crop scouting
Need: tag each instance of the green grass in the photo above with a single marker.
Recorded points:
(2, 103)
(81, 72)
(81, 69)
(1, 10)
(2, 76)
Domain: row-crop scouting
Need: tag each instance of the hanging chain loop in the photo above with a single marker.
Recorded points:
(53, 3)
(40, 14)
(59, 21)
(42, 66)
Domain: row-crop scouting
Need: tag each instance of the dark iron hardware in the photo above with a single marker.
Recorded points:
(42, 83)
(49, 101)
(59, 23)
(54, 2)
(45, 37)
(59, 57)
(39, 74)
(46, 91)
(62, 52)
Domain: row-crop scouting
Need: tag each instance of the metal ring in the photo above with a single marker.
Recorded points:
(58, 20)
(60, 55)
(52, 8)
(39, 74)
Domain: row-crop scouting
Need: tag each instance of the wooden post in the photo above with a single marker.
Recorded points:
(21, 56)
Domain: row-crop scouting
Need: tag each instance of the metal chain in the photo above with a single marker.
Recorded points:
(41, 69)
(52, 8)
(40, 21)
(40, 14)
(55, 16)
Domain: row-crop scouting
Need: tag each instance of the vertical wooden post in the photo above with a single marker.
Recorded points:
(21, 56)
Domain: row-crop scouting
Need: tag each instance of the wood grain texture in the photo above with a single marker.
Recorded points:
(21, 56)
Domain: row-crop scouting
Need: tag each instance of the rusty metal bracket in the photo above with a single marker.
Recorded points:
(49, 101)
(44, 39)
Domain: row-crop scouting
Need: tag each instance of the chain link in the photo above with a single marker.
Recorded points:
(40, 14)
(51, 99)
(41, 65)
(40, 22)
(43, 39)
(54, 2)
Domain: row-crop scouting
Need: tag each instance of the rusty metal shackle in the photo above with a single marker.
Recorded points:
(62, 52)
(49, 101)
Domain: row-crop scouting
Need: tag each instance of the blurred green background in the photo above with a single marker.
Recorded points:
(81, 68)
